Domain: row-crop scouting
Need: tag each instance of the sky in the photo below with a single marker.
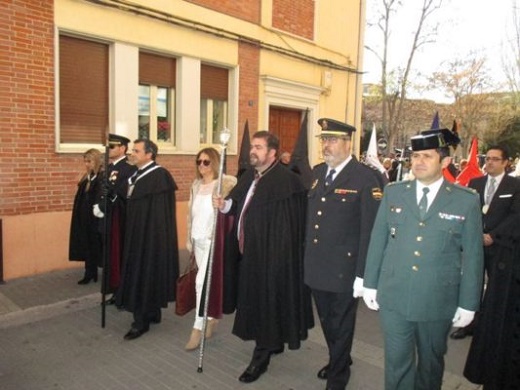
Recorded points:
(465, 25)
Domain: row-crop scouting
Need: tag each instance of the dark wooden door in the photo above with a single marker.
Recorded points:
(285, 123)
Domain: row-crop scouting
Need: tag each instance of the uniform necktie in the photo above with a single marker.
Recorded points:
(329, 178)
(423, 203)
(491, 190)
(241, 221)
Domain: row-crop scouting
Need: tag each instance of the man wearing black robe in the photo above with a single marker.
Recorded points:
(494, 355)
(151, 258)
(273, 306)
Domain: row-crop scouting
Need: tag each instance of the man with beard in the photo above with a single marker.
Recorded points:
(118, 172)
(273, 305)
(151, 258)
(342, 205)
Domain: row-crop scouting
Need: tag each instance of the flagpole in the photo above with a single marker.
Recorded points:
(106, 235)
(225, 134)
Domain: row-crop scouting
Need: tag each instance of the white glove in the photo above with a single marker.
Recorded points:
(462, 317)
(97, 211)
(358, 287)
(369, 296)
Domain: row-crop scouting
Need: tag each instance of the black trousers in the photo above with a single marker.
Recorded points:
(337, 312)
(143, 317)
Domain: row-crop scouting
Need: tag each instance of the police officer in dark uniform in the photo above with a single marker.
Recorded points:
(342, 205)
(115, 187)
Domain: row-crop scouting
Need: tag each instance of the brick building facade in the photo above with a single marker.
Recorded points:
(299, 55)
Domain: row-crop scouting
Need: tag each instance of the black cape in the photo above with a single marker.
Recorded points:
(494, 355)
(85, 242)
(151, 257)
(273, 305)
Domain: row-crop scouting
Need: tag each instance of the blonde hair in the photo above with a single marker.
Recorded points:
(214, 158)
(95, 156)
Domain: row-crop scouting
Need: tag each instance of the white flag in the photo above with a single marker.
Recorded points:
(371, 158)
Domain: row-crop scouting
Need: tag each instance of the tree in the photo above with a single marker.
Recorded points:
(395, 82)
(469, 85)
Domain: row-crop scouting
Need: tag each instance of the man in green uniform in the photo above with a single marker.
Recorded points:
(424, 267)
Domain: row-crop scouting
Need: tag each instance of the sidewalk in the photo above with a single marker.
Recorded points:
(51, 338)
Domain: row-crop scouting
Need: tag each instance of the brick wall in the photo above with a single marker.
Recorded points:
(248, 10)
(294, 16)
(249, 62)
(31, 175)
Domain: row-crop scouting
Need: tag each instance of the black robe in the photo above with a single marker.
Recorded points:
(494, 355)
(85, 242)
(151, 257)
(273, 304)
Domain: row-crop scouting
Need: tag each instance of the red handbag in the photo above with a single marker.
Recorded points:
(186, 298)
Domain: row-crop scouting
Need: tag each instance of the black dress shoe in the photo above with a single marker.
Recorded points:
(252, 373)
(155, 319)
(461, 333)
(322, 374)
(278, 351)
(87, 279)
(134, 333)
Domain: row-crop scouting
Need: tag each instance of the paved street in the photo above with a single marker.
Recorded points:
(51, 338)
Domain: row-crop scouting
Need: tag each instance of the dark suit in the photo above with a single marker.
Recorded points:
(339, 221)
(504, 208)
(423, 269)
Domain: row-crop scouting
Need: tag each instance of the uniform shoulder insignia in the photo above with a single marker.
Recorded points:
(396, 183)
(462, 188)
(377, 194)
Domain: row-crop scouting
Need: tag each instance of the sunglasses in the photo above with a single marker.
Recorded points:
(204, 162)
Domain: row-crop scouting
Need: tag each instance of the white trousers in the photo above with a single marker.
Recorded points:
(201, 248)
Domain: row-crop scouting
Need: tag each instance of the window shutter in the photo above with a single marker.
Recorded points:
(157, 70)
(83, 90)
(213, 82)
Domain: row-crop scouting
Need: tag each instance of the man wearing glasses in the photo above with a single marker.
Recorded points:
(118, 172)
(500, 201)
(342, 205)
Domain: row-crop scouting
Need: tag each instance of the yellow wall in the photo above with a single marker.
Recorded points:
(38, 243)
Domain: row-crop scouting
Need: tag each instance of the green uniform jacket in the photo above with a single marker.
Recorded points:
(425, 269)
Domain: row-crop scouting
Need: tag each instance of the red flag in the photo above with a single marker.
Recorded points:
(447, 175)
(472, 170)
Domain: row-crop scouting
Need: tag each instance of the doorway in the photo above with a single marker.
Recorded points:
(285, 123)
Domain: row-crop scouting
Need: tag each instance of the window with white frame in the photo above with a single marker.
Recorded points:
(214, 86)
(156, 109)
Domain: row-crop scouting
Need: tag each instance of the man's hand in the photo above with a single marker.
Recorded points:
(358, 287)
(369, 296)
(462, 317)
(487, 239)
